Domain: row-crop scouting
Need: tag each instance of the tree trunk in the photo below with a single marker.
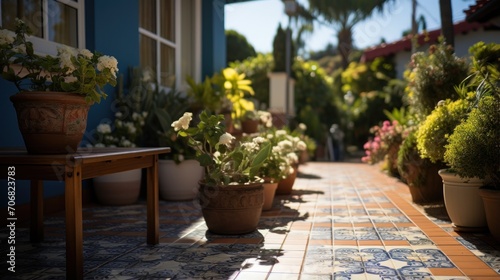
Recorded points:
(345, 45)
(447, 22)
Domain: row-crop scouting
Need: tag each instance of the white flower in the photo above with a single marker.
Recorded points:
(70, 79)
(285, 144)
(302, 126)
(250, 146)
(281, 132)
(99, 145)
(108, 62)
(6, 37)
(104, 128)
(125, 143)
(292, 158)
(180, 157)
(65, 54)
(86, 53)
(131, 128)
(259, 140)
(135, 116)
(118, 115)
(144, 114)
(183, 122)
(226, 139)
(301, 145)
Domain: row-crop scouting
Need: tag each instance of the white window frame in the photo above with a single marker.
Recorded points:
(44, 46)
(177, 45)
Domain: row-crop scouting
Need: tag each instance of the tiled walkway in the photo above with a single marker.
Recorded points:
(342, 221)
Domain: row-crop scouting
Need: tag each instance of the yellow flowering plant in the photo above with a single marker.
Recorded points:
(225, 162)
(72, 70)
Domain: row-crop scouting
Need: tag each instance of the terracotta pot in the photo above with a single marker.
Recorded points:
(463, 202)
(285, 186)
(118, 188)
(269, 192)
(179, 181)
(233, 209)
(51, 122)
(250, 126)
(491, 201)
(425, 184)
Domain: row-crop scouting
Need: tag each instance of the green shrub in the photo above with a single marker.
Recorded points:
(474, 147)
(432, 135)
(433, 76)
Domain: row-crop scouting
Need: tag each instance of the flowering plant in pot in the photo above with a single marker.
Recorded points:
(231, 192)
(72, 78)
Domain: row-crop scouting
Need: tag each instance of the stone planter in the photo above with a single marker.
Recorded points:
(179, 181)
(233, 209)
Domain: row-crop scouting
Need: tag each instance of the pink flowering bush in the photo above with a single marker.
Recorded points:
(385, 144)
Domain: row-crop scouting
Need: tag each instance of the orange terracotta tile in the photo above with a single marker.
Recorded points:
(322, 225)
(445, 272)
(400, 225)
(320, 242)
(249, 240)
(444, 241)
(345, 242)
(455, 250)
(475, 272)
(396, 243)
(342, 225)
(369, 242)
(384, 225)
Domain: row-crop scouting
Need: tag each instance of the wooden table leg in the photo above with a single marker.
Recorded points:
(74, 227)
(36, 211)
(153, 203)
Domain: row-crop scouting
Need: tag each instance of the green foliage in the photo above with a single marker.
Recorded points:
(256, 70)
(474, 147)
(237, 47)
(279, 50)
(432, 134)
(433, 76)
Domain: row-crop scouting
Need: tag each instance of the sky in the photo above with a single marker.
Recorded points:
(258, 21)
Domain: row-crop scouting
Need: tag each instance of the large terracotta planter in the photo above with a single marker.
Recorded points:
(233, 209)
(179, 181)
(269, 193)
(285, 186)
(250, 126)
(463, 202)
(424, 183)
(121, 188)
(51, 122)
(491, 201)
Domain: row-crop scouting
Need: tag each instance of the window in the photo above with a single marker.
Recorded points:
(53, 22)
(167, 32)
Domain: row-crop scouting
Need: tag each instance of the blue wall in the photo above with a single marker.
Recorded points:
(213, 37)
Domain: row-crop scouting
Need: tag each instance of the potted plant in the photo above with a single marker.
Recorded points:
(473, 152)
(291, 146)
(54, 93)
(231, 193)
(124, 187)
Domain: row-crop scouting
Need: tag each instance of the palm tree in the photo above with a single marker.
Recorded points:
(344, 15)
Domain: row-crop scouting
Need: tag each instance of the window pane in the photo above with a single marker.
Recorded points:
(167, 65)
(63, 24)
(167, 20)
(148, 52)
(30, 11)
(147, 14)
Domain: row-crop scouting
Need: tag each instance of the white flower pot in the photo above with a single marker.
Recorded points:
(463, 202)
(179, 181)
(119, 188)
